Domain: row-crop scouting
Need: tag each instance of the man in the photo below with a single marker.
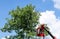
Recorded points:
(40, 31)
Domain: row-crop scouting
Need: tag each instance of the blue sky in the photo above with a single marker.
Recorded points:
(40, 5)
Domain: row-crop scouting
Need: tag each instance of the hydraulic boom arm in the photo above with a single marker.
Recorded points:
(50, 33)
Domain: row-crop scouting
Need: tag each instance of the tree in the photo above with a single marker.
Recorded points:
(23, 20)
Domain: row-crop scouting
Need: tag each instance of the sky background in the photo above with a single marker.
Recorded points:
(49, 9)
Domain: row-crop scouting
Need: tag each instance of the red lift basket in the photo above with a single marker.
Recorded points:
(40, 31)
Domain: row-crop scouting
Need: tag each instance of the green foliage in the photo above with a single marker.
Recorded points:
(22, 20)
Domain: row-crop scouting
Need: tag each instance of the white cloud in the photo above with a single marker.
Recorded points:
(56, 4)
(3, 38)
(49, 18)
(8, 36)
